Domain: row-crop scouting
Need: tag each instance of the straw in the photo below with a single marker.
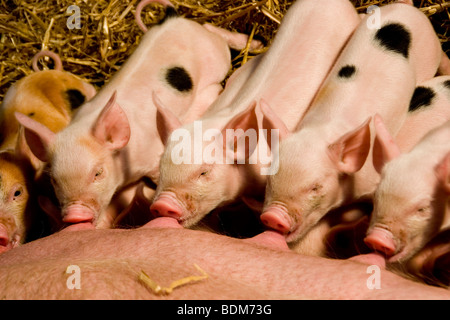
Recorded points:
(108, 33)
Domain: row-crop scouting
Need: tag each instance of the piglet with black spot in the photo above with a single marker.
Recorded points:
(411, 200)
(113, 140)
(277, 87)
(323, 164)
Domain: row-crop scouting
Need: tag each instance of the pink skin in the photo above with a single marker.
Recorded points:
(407, 202)
(45, 53)
(269, 92)
(167, 205)
(77, 213)
(370, 259)
(327, 162)
(277, 218)
(269, 239)
(144, 3)
(5, 244)
(163, 222)
(96, 155)
(381, 240)
(100, 132)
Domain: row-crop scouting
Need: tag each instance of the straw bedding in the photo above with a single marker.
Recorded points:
(109, 34)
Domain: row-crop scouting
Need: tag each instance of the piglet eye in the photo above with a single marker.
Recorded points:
(17, 193)
(423, 209)
(99, 172)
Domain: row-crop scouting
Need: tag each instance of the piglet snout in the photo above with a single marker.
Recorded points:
(381, 240)
(5, 243)
(165, 206)
(77, 213)
(277, 218)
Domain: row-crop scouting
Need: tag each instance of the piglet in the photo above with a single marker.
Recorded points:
(49, 97)
(286, 78)
(16, 176)
(410, 202)
(113, 139)
(376, 73)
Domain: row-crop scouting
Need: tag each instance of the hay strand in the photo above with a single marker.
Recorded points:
(109, 34)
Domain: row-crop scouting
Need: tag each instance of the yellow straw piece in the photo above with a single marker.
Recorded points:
(157, 289)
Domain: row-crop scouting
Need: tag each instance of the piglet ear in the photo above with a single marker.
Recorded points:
(384, 148)
(443, 172)
(23, 151)
(350, 151)
(112, 127)
(243, 121)
(39, 138)
(272, 121)
(166, 121)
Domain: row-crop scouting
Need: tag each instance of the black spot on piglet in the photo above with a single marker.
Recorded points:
(422, 97)
(170, 13)
(447, 84)
(75, 98)
(347, 71)
(394, 37)
(180, 79)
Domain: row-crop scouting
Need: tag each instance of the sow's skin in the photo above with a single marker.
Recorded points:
(50, 97)
(410, 202)
(235, 268)
(276, 87)
(376, 73)
(113, 140)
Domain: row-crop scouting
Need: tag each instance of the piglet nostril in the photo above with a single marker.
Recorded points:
(381, 240)
(164, 208)
(4, 238)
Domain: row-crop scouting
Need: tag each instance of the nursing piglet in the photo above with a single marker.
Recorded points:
(410, 202)
(50, 97)
(429, 108)
(17, 209)
(286, 77)
(113, 140)
(376, 73)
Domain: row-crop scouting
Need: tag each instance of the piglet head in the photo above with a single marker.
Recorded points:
(14, 197)
(408, 210)
(199, 170)
(408, 206)
(82, 162)
(310, 180)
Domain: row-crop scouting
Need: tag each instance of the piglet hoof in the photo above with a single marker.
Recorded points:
(163, 222)
(269, 239)
(370, 259)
